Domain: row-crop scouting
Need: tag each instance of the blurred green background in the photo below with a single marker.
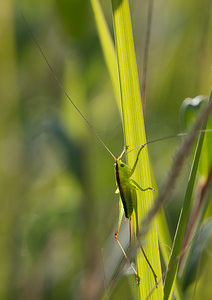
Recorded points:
(58, 207)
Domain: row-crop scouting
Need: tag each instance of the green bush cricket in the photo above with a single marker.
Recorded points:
(127, 187)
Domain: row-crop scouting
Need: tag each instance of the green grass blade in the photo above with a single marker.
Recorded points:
(134, 136)
(170, 279)
(165, 246)
(111, 62)
(108, 48)
(189, 262)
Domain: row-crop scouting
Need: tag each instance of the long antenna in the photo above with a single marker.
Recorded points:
(146, 50)
(165, 138)
(62, 87)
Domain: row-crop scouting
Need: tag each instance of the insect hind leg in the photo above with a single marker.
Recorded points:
(127, 258)
(121, 213)
(146, 258)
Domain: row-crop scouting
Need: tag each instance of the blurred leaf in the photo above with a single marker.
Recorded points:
(108, 48)
(200, 254)
(189, 111)
(74, 16)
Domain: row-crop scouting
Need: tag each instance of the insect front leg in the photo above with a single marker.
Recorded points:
(140, 188)
(136, 161)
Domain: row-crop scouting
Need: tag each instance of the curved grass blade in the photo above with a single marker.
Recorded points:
(135, 135)
(108, 48)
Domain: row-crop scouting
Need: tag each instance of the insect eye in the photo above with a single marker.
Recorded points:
(122, 165)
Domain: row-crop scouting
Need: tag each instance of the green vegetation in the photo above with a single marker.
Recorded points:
(59, 211)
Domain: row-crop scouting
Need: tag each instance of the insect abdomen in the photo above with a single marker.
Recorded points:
(126, 193)
(126, 197)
